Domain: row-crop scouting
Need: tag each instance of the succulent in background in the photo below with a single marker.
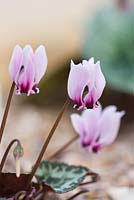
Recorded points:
(110, 38)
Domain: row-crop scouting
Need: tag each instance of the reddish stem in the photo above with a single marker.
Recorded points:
(6, 153)
(59, 151)
(47, 141)
(77, 194)
(3, 123)
(94, 176)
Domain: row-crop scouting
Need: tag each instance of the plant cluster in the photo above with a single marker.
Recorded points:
(95, 127)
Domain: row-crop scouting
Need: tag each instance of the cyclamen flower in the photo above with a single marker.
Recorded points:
(97, 128)
(86, 83)
(27, 68)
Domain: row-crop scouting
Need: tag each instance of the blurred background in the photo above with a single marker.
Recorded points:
(73, 29)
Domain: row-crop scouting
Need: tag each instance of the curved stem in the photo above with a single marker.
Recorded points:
(88, 182)
(47, 141)
(6, 153)
(6, 110)
(59, 151)
(77, 194)
(94, 178)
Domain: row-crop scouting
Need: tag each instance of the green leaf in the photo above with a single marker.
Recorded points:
(60, 176)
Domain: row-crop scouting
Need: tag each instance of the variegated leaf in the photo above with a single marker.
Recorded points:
(60, 176)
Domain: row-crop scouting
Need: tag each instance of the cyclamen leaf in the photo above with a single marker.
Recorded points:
(60, 176)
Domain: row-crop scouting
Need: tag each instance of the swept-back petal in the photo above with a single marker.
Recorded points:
(91, 72)
(90, 99)
(91, 123)
(77, 81)
(78, 124)
(110, 124)
(96, 87)
(91, 60)
(27, 74)
(40, 62)
(100, 81)
(27, 52)
(15, 62)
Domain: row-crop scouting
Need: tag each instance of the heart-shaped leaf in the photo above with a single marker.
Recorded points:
(60, 176)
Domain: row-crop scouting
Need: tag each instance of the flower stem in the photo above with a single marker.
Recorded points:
(94, 178)
(6, 111)
(6, 153)
(77, 194)
(59, 151)
(47, 141)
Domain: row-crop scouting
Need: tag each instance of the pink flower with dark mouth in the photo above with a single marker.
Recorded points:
(27, 68)
(86, 83)
(97, 128)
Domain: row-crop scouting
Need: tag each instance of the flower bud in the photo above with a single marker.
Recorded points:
(18, 154)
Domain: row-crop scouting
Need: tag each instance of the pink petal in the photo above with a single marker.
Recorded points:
(91, 61)
(77, 123)
(97, 87)
(15, 62)
(77, 81)
(91, 75)
(110, 124)
(99, 80)
(91, 98)
(26, 76)
(40, 62)
(27, 53)
(91, 123)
